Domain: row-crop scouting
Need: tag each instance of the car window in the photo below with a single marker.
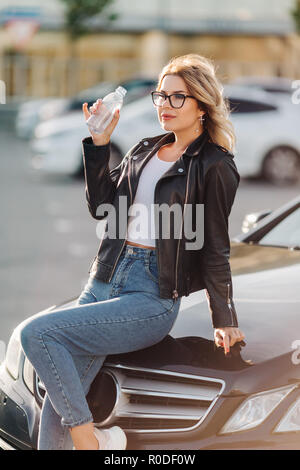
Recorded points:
(286, 233)
(247, 106)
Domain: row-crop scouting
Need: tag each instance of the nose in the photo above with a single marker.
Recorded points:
(166, 103)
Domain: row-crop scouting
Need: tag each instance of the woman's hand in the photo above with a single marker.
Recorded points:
(227, 337)
(104, 138)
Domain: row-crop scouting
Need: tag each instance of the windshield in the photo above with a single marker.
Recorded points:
(286, 233)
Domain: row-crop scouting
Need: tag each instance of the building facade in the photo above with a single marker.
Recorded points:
(37, 58)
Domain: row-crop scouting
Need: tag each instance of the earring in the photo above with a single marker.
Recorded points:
(201, 119)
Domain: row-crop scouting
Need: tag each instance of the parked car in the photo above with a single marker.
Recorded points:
(33, 112)
(268, 141)
(271, 84)
(251, 220)
(28, 115)
(184, 393)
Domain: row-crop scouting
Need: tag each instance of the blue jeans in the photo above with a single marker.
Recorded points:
(67, 347)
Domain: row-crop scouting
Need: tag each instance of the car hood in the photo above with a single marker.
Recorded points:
(266, 295)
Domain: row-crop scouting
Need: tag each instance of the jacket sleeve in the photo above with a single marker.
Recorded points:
(100, 181)
(220, 189)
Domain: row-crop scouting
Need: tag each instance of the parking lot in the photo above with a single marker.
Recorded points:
(48, 238)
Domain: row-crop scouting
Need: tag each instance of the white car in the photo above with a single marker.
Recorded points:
(33, 112)
(272, 84)
(267, 129)
(29, 114)
(268, 140)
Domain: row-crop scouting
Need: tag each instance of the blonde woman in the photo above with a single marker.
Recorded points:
(133, 294)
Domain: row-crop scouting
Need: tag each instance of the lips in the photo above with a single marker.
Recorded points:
(167, 116)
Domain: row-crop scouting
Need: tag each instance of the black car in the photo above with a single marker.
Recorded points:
(184, 393)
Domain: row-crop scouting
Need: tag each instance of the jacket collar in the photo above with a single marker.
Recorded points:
(192, 150)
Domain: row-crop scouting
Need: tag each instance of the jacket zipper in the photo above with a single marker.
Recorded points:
(175, 291)
(114, 267)
(130, 189)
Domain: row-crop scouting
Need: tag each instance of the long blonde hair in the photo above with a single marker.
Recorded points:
(199, 75)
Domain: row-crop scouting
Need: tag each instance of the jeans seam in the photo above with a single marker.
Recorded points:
(106, 322)
(56, 376)
(90, 419)
(89, 290)
(147, 265)
(151, 275)
(121, 276)
(62, 438)
(83, 375)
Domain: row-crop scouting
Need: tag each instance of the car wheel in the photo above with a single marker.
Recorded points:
(281, 166)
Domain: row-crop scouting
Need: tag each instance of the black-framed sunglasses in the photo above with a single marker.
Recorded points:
(176, 100)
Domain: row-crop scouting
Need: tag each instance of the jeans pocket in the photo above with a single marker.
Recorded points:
(168, 303)
(152, 271)
(86, 297)
(95, 288)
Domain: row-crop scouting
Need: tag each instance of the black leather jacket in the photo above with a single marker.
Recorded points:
(204, 174)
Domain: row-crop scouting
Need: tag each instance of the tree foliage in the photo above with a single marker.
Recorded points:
(78, 11)
(295, 12)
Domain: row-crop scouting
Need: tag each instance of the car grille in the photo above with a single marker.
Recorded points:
(40, 390)
(149, 400)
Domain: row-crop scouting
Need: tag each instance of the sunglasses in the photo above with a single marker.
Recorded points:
(176, 100)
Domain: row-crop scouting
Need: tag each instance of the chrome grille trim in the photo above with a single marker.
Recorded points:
(40, 389)
(191, 412)
(5, 445)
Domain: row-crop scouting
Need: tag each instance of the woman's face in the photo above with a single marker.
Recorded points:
(182, 119)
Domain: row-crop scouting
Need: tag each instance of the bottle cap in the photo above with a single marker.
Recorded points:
(121, 90)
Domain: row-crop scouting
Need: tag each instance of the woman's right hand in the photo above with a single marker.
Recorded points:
(104, 138)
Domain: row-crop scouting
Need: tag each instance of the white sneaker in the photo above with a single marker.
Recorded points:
(111, 439)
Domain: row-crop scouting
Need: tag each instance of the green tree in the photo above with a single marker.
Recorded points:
(295, 12)
(78, 11)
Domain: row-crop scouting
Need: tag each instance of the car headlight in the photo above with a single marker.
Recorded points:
(255, 409)
(14, 348)
(291, 420)
(28, 375)
(13, 354)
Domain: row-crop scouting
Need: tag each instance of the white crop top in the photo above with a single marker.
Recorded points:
(141, 224)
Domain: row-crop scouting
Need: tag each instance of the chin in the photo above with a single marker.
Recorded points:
(167, 126)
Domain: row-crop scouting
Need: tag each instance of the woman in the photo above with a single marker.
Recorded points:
(134, 291)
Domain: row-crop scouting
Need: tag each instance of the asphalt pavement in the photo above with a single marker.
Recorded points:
(48, 237)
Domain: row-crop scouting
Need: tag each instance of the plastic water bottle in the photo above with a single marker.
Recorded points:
(98, 121)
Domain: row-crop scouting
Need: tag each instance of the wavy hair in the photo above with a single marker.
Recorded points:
(199, 75)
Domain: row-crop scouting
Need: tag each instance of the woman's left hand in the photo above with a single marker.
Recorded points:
(227, 337)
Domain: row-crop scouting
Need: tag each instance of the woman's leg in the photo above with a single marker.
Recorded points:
(133, 320)
(52, 434)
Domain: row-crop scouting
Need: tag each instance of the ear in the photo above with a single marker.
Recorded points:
(201, 113)
(201, 110)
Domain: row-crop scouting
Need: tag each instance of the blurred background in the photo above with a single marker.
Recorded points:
(57, 54)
